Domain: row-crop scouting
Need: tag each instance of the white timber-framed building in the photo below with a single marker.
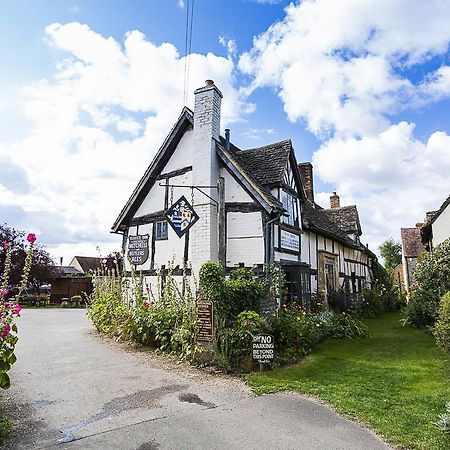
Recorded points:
(255, 208)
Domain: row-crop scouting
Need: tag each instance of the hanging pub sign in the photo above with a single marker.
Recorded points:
(138, 249)
(181, 216)
(262, 349)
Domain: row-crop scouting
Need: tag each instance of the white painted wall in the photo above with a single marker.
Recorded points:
(233, 190)
(245, 242)
(441, 227)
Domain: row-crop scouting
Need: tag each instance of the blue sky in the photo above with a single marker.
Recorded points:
(362, 90)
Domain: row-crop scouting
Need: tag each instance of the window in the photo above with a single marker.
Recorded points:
(161, 231)
(298, 285)
(290, 205)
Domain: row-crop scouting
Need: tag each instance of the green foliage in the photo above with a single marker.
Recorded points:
(421, 310)
(241, 292)
(7, 356)
(341, 326)
(391, 252)
(5, 430)
(169, 324)
(295, 332)
(250, 321)
(432, 272)
(106, 308)
(442, 327)
(368, 305)
(396, 381)
(233, 345)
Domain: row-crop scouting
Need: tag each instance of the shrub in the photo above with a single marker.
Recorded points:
(251, 322)
(106, 308)
(442, 327)
(233, 345)
(295, 332)
(369, 305)
(241, 292)
(422, 309)
(341, 326)
(432, 272)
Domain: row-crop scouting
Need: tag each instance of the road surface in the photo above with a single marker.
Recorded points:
(73, 389)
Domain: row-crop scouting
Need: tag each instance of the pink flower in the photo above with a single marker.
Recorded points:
(17, 309)
(6, 305)
(3, 292)
(5, 245)
(31, 238)
(6, 330)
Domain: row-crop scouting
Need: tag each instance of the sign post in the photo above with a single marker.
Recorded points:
(262, 349)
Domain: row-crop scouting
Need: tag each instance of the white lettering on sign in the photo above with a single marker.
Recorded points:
(262, 348)
(290, 241)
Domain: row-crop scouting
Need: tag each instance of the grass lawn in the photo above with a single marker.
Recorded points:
(396, 382)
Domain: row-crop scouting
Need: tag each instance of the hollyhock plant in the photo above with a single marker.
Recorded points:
(9, 311)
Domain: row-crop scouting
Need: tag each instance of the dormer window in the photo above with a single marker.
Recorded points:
(290, 205)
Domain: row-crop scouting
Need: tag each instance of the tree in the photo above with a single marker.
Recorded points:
(391, 252)
(43, 267)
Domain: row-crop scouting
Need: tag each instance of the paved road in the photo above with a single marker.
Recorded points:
(71, 389)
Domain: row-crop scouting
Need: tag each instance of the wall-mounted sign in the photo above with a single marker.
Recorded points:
(138, 249)
(290, 241)
(262, 349)
(205, 321)
(181, 216)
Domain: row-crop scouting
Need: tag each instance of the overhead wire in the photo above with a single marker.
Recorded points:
(187, 46)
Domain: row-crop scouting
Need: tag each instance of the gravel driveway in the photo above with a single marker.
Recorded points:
(73, 389)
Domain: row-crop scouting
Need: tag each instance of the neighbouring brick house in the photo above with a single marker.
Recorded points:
(253, 208)
(412, 247)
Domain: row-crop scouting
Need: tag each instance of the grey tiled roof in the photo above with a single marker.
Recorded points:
(317, 219)
(411, 242)
(346, 218)
(266, 164)
(88, 263)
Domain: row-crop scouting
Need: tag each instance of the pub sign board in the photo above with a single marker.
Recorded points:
(138, 249)
(262, 349)
(205, 321)
(181, 216)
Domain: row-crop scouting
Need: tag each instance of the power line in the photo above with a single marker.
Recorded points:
(187, 46)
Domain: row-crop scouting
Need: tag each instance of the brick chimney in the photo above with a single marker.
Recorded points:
(335, 201)
(306, 175)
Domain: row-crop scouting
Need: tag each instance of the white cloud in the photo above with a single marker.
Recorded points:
(258, 133)
(97, 123)
(345, 68)
(335, 63)
(393, 177)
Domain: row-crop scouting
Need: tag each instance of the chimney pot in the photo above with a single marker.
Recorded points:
(227, 138)
(209, 83)
(335, 201)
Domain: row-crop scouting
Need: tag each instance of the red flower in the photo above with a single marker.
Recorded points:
(31, 238)
(6, 330)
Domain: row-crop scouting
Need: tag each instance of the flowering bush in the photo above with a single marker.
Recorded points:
(442, 328)
(9, 311)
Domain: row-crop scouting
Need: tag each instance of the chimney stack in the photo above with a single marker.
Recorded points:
(335, 201)
(306, 176)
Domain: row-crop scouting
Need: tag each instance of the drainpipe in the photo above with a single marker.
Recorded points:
(268, 242)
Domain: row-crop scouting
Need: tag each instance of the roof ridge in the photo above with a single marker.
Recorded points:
(267, 145)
